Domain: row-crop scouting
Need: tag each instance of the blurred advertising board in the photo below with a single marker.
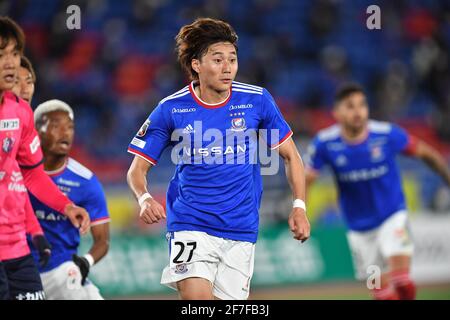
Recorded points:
(431, 261)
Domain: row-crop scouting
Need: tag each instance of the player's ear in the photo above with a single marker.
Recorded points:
(195, 64)
(335, 111)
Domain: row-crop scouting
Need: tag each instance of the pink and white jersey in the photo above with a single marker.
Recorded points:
(19, 149)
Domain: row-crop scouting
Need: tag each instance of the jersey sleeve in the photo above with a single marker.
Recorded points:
(31, 222)
(95, 202)
(315, 156)
(401, 141)
(40, 185)
(153, 136)
(29, 154)
(273, 122)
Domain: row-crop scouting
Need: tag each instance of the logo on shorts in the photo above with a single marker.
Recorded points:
(8, 144)
(181, 268)
(402, 235)
(73, 281)
(247, 285)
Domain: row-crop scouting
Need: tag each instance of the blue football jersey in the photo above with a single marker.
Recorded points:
(85, 190)
(367, 175)
(217, 185)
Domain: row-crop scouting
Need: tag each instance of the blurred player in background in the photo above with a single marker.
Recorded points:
(21, 169)
(212, 207)
(362, 153)
(65, 276)
(25, 80)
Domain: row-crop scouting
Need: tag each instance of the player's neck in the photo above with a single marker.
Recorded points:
(352, 136)
(54, 163)
(208, 95)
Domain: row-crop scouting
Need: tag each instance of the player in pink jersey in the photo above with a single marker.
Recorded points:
(24, 88)
(21, 169)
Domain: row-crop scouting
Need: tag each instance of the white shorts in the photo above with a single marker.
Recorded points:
(374, 247)
(64, 283)
(227, 264)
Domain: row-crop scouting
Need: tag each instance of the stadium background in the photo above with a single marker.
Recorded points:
(122, 62)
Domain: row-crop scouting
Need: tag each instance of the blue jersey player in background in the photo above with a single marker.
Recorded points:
(65, 275)
(215, 193)
(362, 155)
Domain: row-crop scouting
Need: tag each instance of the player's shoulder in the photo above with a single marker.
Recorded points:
(21, 105)
(11, 97)
(79, 170)
(175, 97)
(330, 133)
(380, 127)
(248, 89)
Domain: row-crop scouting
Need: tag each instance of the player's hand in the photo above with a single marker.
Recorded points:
(79, 217)
(84, 266)
(299, 224)
(151, 211)
(43, 247)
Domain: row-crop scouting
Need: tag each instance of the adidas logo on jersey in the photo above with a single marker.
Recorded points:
(188, 129)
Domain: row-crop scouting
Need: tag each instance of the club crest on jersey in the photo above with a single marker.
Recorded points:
(143, 130)
(341, 160)
(238, 124)
(8, 144)
(376, 154)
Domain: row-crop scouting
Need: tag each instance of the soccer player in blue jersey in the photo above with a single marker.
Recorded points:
(65, 275)
(362, 155)
(214, 196)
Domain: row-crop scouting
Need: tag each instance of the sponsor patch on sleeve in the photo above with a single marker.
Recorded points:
(143, 130)
(138, 143)
(34, 145)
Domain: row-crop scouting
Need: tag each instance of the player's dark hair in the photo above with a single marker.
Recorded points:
(347, 89)
(193, 41)
(10, 31)
(25, 63)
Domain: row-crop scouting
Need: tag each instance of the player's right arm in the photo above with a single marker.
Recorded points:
(311, 176)
(147, 146)
(433, 159)
(315, 160)
(414, 147)
(150, 210)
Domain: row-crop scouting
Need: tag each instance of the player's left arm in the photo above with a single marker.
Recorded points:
(100, 236)
(432, 158)
(33, 228)
(295, 173)
(100, 247)
(95, 201)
